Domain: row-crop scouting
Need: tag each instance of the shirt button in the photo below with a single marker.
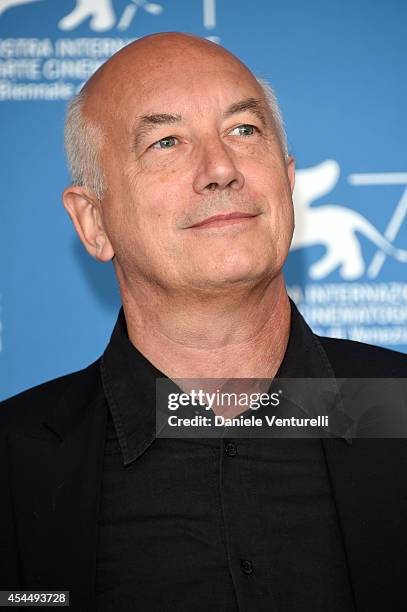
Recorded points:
(246, 567)
(231, 449)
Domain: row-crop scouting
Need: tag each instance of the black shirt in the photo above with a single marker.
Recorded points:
(213, 524)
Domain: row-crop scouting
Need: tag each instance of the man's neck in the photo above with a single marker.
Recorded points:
(239, 335)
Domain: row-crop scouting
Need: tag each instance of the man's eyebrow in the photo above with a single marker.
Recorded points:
(254, 105)
(147, 123)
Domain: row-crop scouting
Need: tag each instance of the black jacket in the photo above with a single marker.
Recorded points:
(51, 453)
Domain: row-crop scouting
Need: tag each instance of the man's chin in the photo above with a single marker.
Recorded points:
(222, 282)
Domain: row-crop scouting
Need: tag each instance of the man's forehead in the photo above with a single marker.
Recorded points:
(193, 86)
(136, 81)
(218, 93)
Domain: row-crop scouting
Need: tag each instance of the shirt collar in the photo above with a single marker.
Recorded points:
(129, 380)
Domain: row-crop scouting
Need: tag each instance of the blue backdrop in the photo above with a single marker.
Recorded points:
(338, 69)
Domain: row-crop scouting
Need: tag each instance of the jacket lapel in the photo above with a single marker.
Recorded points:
(367, 480)
(56, 483)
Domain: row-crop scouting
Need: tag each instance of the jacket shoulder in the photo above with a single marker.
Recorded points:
(32, 404)
(356, 359)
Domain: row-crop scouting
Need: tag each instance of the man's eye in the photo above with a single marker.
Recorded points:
(164, 143)
(245, 129)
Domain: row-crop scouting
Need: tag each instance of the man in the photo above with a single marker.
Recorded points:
(181, 177)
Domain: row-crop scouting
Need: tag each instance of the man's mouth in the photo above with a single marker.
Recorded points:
(224, 219)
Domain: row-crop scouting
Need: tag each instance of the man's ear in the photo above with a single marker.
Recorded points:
(84, 209)
(291, 171)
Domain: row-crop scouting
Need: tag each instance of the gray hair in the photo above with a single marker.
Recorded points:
(84, 140)
(275, 113)
(83, 146)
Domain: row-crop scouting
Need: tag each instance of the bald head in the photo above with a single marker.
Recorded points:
(148, 63)
(100, 113)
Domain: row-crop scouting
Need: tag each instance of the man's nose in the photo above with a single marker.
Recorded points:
(216, 169)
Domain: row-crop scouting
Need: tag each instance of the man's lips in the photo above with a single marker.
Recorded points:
(224, 219)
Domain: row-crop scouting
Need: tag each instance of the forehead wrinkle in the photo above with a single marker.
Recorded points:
(145, 124)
